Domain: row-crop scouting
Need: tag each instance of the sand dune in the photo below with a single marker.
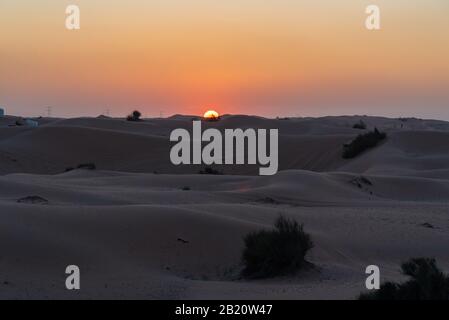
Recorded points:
(139, 234)
(123, 228)
(406, 153)
(306, 144)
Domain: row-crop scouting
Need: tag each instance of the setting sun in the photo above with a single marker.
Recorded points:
(211, 115)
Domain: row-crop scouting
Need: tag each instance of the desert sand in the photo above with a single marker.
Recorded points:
(136, 233)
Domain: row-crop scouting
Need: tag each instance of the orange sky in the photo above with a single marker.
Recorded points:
(272, 57)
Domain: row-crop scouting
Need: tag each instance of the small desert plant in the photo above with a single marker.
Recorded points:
(210, 170)
(88, 166)
(363, 142)
(33, 200)
(270, 253)
(135, 116)
(427, 282)
(360, 125)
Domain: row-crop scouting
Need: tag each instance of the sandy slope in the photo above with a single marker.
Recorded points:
(121, 223)
(122, 229)
(304, 143)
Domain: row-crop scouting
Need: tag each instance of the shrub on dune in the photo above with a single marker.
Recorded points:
(210, 170)
(427, 282)
(88, 166)
(360, 125)
(363, 142)
(270, 253)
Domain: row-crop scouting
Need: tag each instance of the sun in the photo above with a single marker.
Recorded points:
(211, 115)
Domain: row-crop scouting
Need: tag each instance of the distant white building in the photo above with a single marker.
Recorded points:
(31, 123)
(2, 112)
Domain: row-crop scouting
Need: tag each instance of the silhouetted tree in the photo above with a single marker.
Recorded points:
(135, 116)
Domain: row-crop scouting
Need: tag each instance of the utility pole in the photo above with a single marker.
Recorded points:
(49, 111)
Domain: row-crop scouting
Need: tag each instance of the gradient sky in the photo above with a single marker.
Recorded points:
(266, 57)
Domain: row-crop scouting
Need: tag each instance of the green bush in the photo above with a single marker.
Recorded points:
(270, 253)
(427, 282)
(362, 143)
